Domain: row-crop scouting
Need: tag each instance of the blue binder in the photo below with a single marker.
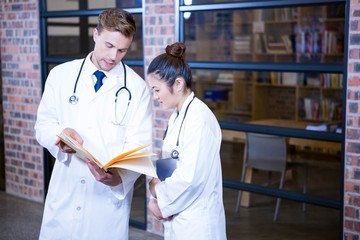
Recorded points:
(165, 167)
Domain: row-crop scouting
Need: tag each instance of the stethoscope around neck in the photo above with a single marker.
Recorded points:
(74, 99)
(175, 153)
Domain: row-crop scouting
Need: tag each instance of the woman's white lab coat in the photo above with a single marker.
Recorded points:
(193, 195)
(77, 206)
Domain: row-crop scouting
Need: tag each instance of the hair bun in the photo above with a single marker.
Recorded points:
(176, 49)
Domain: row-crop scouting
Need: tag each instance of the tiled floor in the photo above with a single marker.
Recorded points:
(20, 219)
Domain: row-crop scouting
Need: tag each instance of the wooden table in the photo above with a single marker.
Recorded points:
(238, 136)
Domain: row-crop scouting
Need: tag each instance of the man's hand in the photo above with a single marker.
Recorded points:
(72, 133)
(110, 178)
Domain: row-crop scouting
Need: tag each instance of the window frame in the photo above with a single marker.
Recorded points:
(263, 66)
(46, 61)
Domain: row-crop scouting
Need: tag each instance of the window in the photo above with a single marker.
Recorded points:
(273, 67)
(290, 35)
(76, 34)
(60, 5)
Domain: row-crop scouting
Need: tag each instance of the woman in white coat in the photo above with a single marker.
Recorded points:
(190, 201)
(84, 202)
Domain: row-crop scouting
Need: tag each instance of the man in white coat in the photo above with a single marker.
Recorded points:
(84, 202)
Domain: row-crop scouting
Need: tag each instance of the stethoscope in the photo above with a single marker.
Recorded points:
(175, 153)
(74, 99)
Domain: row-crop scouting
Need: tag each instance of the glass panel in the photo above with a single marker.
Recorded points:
(323, 180)
(139, 70)
(60, 5)
(310, 99)
(297, 34)
(189, 2)
(65, 32)
(138, 203)
(76, 34)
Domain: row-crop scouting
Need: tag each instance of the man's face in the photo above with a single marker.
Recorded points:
(110, 48)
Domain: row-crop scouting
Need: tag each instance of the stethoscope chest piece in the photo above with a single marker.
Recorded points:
(73, 99)
(174, 154)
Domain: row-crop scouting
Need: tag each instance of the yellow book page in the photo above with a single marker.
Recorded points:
(141, 165)
(121, 158)
(131, 160)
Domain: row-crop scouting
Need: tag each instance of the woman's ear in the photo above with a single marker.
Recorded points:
(179, 84)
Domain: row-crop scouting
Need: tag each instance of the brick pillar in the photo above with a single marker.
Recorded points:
(21, 88)
(159, 31)
(352, 141)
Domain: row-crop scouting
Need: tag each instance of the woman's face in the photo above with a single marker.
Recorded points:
(161, 92)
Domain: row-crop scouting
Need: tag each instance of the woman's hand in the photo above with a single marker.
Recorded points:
(152, 184)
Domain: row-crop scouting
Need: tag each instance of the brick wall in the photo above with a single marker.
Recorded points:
(352, 143)
(21, 87)
(159, 21)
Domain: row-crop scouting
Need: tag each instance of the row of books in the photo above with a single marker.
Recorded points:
(324, 109)
(277, 14)
(324, 80)
(325, 42)
(304, 42)
(332, 80)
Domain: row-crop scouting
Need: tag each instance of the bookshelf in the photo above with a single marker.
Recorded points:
(305, 34)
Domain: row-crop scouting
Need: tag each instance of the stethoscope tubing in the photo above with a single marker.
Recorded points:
(175, 153)
(74, 99)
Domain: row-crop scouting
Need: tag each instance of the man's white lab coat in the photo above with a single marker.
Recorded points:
(77, 206)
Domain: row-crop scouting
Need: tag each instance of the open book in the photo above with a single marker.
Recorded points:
(132, 160)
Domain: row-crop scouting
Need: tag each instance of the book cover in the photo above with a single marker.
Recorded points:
(165, 167)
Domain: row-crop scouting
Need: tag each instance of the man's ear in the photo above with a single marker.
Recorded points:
(95, 34)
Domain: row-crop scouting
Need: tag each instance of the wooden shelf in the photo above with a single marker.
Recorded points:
(302, 34)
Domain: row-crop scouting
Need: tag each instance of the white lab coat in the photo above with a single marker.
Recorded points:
(77, 206)
(193, 195)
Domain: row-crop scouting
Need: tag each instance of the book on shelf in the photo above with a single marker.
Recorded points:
(290, 78)
(333, 42)
(313, 81)
(325, 127)
(326, 109)
(133, 159)
(225, 77)
(311, 108)
(259, 43)
(287, 42)
(274, 45)
(242, 44)
(332, 80)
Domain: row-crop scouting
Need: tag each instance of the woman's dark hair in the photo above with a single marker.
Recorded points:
(171, 65)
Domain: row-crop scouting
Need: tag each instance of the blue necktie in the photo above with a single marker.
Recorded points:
(99, 75)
